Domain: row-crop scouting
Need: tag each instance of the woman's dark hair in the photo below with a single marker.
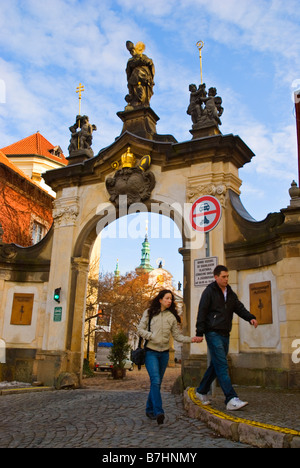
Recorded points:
(154, 308)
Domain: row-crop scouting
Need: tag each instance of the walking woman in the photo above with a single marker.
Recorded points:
(164, 320)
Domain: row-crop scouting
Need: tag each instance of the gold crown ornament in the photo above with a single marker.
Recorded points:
(128, 159)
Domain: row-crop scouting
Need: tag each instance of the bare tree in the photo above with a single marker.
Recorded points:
(123, 300)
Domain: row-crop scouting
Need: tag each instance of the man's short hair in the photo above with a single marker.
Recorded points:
(218, 269)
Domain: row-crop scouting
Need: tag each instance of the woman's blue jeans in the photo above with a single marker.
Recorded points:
(156, 363)
(218, 346)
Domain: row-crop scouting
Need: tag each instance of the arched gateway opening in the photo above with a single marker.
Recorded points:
(82, 256)
(138, 253)
(145, 171)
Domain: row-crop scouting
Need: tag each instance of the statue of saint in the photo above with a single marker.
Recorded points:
(81, 134)
(140, 77)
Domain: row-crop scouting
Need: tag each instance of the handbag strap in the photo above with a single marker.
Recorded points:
(140, 340)
(146, 341)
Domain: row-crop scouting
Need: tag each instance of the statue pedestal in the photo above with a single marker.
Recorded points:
(139, 121)
(205, 131)
(80, 156)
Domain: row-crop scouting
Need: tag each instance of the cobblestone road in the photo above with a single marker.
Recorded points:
(99, 417)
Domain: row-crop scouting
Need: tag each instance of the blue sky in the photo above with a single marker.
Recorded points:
(251, 55)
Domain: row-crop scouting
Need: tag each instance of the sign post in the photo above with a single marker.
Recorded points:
(205, 215)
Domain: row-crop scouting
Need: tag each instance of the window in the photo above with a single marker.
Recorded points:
(38, 232)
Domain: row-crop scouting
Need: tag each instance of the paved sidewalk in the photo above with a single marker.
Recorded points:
(271, 419)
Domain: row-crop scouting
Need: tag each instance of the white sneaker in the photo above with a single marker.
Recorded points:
(236, 404)
(203, 398)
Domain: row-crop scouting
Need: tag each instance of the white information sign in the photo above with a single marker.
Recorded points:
(203, 269)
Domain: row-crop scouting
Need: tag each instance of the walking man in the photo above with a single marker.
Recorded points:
(217, 305)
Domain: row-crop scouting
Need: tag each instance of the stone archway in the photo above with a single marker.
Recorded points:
(51, 348)
(157, 172)
(143, 171)
(133, 174)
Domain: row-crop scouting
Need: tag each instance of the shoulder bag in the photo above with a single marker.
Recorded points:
(138, 355)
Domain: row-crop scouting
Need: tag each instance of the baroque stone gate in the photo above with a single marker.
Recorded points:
(145, 171)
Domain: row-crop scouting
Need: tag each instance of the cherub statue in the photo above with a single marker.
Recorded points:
(195, 109)
(213, 108)
(205, 110)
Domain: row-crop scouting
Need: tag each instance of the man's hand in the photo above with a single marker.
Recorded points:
(197, 339)
(254, 323)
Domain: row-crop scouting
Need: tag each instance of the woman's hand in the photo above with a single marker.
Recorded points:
(197, 339)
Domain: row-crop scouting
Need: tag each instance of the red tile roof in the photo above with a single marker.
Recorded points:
(34, 144)
(4, 161)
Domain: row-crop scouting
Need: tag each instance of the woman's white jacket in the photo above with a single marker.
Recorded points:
(162, 326)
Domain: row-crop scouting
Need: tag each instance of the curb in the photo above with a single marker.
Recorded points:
(238, 429)
(13, 391)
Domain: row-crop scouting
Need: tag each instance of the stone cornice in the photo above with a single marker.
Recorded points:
(168, 155)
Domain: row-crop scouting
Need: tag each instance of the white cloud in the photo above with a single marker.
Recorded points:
(274, 151)
(155, 8)
(49, 47)
(264, 26)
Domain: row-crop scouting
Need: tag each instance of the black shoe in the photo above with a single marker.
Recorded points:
(150, 416)
(160, 418)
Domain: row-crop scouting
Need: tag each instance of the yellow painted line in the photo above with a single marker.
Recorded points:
(221, 415)
(23, 389)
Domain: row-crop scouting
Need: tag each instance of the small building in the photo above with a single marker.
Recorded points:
(35, 155)
(26, 208)
(26, 200)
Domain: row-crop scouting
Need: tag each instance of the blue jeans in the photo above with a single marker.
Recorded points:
(218, 346)
(156, 363)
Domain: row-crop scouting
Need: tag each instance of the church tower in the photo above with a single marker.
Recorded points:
(145, 266)
(117, 272)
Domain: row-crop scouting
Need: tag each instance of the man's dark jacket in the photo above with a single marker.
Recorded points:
(214, 314)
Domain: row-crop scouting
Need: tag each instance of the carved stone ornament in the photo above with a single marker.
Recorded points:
(219, 191)
(131, 182)
(65, 215)
(7, 251)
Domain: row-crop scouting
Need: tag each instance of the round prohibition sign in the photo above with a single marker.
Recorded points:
(206, 213)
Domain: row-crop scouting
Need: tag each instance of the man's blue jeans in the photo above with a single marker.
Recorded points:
(218, 346)
(156, 363)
